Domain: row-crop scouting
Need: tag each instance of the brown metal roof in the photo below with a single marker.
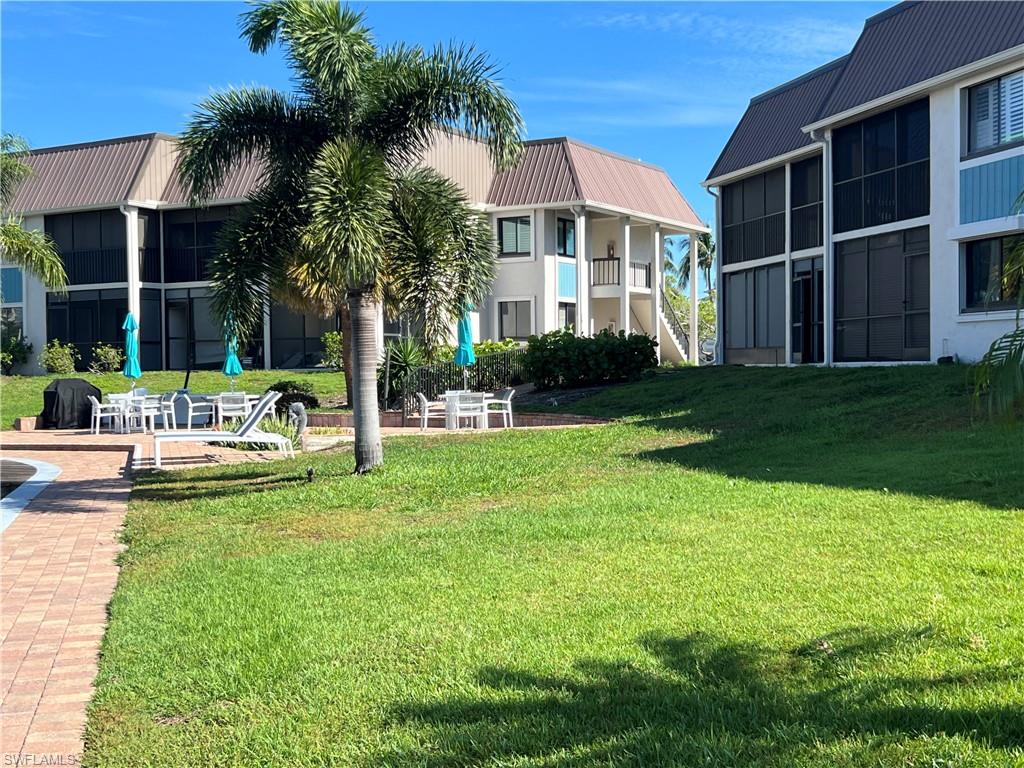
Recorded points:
(240, 182)
(563, 170)
(915, 41)
(773, 123)
(82, 175)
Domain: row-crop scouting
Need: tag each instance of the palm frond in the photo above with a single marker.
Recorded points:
(240, 125)
(411, 94)
(348, 199)
(999, 376)
(13, 168)
(33, 251)
(441, 257)
(327, 45)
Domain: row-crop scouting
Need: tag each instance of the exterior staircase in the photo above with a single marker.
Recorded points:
(675, 341)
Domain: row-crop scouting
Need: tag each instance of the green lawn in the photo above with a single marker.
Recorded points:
(23, 395)
(754, 567)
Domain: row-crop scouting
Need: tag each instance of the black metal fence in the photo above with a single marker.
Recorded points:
(489, 372)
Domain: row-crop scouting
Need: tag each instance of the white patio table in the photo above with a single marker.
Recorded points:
(451, 404)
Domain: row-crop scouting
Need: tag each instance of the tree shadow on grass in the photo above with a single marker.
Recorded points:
(710, 702)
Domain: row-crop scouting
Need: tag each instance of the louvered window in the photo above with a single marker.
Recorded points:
(995, 112)
(514, 236)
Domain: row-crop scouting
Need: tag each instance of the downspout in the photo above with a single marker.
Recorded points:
(131, 217)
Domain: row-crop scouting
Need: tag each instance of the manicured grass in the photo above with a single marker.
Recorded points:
(23, 395)
(754, 567)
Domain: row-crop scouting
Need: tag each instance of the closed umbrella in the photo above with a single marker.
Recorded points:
(232, 365)
(464, 354)
(131, 368)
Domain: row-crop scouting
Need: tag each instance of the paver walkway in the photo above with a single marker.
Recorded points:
(57, 573)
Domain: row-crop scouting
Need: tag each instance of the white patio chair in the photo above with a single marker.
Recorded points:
(430, 408)
(167, 415)
(100, 411)
(144, 411)
(248, 432)
(503, 400)
(470, 405)
(233, 405)
(202, 408)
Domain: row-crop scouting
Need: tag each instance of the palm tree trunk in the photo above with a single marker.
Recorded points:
(346, 352)
(366, 416)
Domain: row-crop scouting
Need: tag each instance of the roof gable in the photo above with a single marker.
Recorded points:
(773, 123)
(915, 41)
(82, 175)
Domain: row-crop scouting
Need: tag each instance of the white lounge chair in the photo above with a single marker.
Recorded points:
(247, 432)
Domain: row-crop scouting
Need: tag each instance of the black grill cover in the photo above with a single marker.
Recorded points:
(66, 404)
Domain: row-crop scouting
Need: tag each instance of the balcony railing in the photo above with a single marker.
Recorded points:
(606, 271)
(102, 265)
(639, 274)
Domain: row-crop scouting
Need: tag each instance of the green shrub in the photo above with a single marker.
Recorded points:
(106, 359)
(485, 347)
(561, 360)
(15, 351)
(332, 357)
(59, 358)
(293, 391)
(406, 355)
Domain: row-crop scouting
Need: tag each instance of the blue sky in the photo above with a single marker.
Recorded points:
(665, 82)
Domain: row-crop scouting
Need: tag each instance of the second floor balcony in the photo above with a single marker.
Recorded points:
(606, 271)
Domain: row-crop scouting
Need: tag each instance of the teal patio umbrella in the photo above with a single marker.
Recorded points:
(131, 368)
(464, 354)
(232, 365)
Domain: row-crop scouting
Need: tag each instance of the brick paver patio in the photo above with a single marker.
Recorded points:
(57, 573)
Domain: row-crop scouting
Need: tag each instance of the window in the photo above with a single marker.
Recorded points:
(880, 168)
(92, 245)
(882, 302)
(514, 236)
(12, 297)
(805, 202)
(995, 113)
(754, 217)
(149, 247)
(514, 320)
(87, 318)
(755, 315)
(190, 238)
(565, 243)
(566, 315)
(985, 284)
(295, 338)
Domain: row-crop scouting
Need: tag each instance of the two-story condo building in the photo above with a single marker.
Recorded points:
(579, 232)
(864, 209)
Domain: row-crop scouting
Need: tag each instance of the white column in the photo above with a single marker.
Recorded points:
(828, 261)
(131, 219)
(624, 232)
(656, 259)
(694, 297)
(547, 293)
(719, 325)
(582, 274)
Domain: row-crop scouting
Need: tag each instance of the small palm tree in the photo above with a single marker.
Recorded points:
(342, 213)
(33, 251)
(999, 375)
(677, 260)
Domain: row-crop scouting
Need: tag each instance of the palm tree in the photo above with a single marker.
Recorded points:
(33, 251)
(999, 375)
(677, 260)
(342, 213)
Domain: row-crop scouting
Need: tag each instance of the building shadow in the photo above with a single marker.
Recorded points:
(707, 701)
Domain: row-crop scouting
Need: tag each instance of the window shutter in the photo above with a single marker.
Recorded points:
(524, 235)
(984, 131)
(1011, 112)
